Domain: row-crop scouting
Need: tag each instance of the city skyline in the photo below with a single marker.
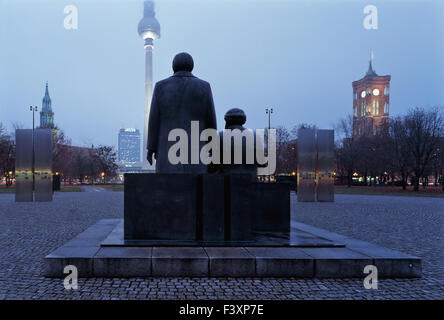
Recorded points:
(314, 51)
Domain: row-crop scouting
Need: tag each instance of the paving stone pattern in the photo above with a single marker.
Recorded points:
(30, 231)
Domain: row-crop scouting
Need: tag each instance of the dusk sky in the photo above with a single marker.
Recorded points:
(298, 57)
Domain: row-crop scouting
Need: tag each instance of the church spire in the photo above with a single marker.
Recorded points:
(370, 71)
(46, 115)
(46, 103)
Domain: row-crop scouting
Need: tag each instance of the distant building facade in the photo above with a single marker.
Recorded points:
(46, 115)
(371, 100)
(129, 145)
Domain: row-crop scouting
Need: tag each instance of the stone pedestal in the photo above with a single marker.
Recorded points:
(213, 207)
(161, 206)
(271, 208)
(208, 207)
(239, 202)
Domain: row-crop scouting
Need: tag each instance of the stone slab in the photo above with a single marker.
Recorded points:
(233, 262)
(123, 262)
(338, 262)
(298, 238)
(390, 263)
(80, 257)
(80, 250)
(317, 231)
(282, 262)
(93, 259)
(179, 261)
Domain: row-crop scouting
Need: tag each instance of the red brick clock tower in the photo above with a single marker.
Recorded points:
(370, 103)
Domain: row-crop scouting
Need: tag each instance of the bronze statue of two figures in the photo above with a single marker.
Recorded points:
(204, 189)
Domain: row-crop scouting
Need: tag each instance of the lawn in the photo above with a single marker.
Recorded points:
(111, 187)
(64, 188)
(429, 191)
(70, 188)
(4, 189)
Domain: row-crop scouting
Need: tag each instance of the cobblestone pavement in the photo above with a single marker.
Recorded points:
(29, 231)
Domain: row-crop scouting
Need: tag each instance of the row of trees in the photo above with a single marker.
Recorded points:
(7, 155)
(72, 163)
(408, 147)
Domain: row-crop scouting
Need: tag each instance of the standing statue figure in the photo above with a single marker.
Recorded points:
(176, 102)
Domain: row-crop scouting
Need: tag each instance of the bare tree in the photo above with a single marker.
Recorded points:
(62, 153)
(399, 150)
(437, 162)
(105, 158)
(7, 155)
(347, 148)
(423, 130)
(286, 151)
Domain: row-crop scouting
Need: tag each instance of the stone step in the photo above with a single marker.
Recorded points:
(93, 260)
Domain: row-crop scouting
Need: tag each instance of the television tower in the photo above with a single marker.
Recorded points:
(149, 30)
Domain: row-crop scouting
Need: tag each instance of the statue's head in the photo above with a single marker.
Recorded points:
(235, 117)
(183, 62)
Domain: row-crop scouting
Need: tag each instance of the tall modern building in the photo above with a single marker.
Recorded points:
(46, 115)
(129, 145)
(370, 102)
(149, 30)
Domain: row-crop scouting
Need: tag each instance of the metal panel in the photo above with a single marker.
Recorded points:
(326, 165)
(23, 165)
(43, 164)
(306, 165)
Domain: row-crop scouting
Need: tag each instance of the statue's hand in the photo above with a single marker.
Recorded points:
(149, 156)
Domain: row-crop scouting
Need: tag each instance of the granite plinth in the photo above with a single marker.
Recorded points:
(271, 213)
(94, 259)
(204, 207)
(213, 208)
(239, 206)
(298, 238)
(161, 206)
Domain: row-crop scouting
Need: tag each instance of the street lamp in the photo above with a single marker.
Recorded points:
(33, 109)
(269, 112)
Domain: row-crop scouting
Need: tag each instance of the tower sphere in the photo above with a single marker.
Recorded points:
(149, 27)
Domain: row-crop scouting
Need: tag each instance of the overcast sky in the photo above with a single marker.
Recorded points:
(298, 57)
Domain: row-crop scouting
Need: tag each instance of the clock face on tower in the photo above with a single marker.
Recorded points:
(363, 94)
(376, 92)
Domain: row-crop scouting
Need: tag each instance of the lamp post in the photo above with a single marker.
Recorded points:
(269, 112)
(33, 109)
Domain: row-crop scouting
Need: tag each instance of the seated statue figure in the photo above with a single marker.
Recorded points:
(176, 102)
(235, 131)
